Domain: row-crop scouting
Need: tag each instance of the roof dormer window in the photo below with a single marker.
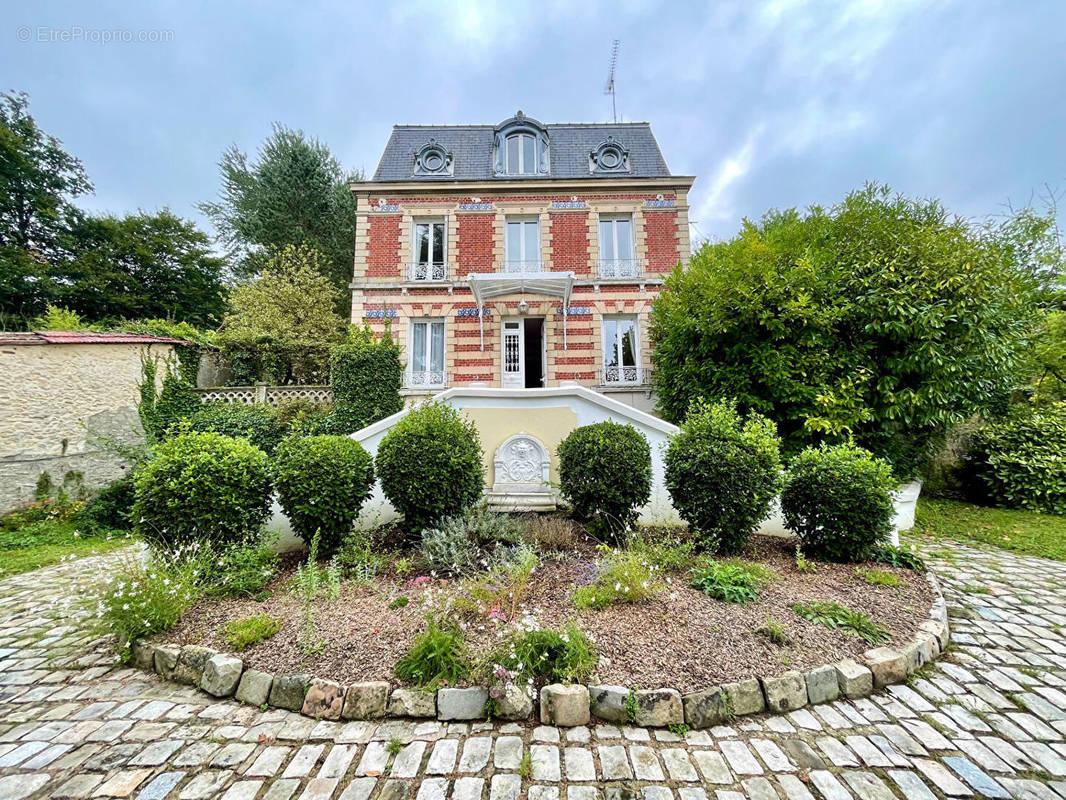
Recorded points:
(433, 159)
(521, 147)
(610, 156)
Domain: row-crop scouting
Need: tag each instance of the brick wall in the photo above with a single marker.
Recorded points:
(383, 258)
(475, 243)
(661, 230)
(570, 243)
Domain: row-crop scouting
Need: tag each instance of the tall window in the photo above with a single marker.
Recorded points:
(430, 245)
(521, 154)
(616, 247)
(523, 245)
(620, 358)
(427, 353)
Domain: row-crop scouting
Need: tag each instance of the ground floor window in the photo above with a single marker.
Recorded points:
(621, 363)
(426, 362)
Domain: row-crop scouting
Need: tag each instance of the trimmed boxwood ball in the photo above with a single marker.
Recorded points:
(430, 465)
(1019, 461)
(202, 487)
(322, 482)
(605, 474)
(838, 500)
(723, 471)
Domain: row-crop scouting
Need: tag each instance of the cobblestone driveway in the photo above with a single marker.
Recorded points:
(988, 721)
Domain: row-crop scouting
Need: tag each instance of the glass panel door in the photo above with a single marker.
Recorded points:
(513, 355)
(430, 263)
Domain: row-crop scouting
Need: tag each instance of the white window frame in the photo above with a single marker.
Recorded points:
(521, 258)
(617, 267)
(428, 377)
(617, 374)
(523, 168)
(418, 272)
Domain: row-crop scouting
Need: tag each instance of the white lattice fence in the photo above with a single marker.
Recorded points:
(263, 394)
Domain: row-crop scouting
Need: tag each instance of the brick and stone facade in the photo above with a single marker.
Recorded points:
(477, 212)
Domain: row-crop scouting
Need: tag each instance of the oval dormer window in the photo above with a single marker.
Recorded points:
(610, 156)
(433, 159)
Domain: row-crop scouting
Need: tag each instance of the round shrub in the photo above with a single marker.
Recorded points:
(322, 482)
(605, 474)
(430, 465)
(722, 471)
(1021, 460)
(202, 487)
(254, 423)
(838, 500)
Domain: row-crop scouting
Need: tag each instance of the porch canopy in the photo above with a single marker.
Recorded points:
(497, 284)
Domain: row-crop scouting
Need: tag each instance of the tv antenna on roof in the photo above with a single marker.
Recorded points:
(609, 88)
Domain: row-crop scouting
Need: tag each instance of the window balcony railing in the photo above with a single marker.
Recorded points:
(427, 271)
(428, 379)
(523, 266)
(620, 268)
(623, 376)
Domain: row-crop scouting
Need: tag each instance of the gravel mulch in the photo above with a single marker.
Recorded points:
(680, 639)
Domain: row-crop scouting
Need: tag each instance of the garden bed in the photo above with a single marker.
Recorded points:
(679, 637)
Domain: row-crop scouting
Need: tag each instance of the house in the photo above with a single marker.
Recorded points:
(519, 255)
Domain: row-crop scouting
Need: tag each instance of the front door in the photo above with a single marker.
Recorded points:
(514, 355)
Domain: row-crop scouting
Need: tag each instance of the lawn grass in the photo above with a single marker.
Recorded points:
(1026, 532)
(46, 543)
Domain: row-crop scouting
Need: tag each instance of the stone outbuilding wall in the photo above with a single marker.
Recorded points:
(59, 392)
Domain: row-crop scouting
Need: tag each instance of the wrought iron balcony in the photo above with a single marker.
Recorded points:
(427, 271)
(620, 268)
(427, 379)
(523, 266)
(623, 376)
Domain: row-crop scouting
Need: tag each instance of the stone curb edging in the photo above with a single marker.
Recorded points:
(564, 705)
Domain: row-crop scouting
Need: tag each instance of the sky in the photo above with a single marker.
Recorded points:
(769, 103)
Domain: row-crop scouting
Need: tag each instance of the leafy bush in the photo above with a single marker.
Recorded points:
(838, 500)
(1020, 460)
(241, 569)
(844, 619)
(254, 423)
(138, 600)
(430, 465)
(202, 486)
(722, 472)
(732, 581)
(437, 656)
(367, 375)
(899, 557)
(623, 576)
(322, 482)
(551, 656)
(605, 474)
(882, 317)
(458, 544)
(59, 509)
(242, 633)
(112, 507)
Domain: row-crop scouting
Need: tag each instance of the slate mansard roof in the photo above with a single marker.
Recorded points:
(471, 148)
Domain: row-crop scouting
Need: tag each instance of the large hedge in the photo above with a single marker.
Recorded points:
(1020, 461)
(367, 375)
(723, 471)
(255, 423)
(430, 465)
(881, 318)
(322, 482)
(838, 500)
(605, 474)
(202, 487)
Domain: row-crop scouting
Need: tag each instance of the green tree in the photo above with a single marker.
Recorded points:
(883, 317)
(38, 182)
(284, 321)
(140, 266)
(295, 192)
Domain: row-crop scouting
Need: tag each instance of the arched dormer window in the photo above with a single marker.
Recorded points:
(433, 159)
(521, 147)
(610, 156)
